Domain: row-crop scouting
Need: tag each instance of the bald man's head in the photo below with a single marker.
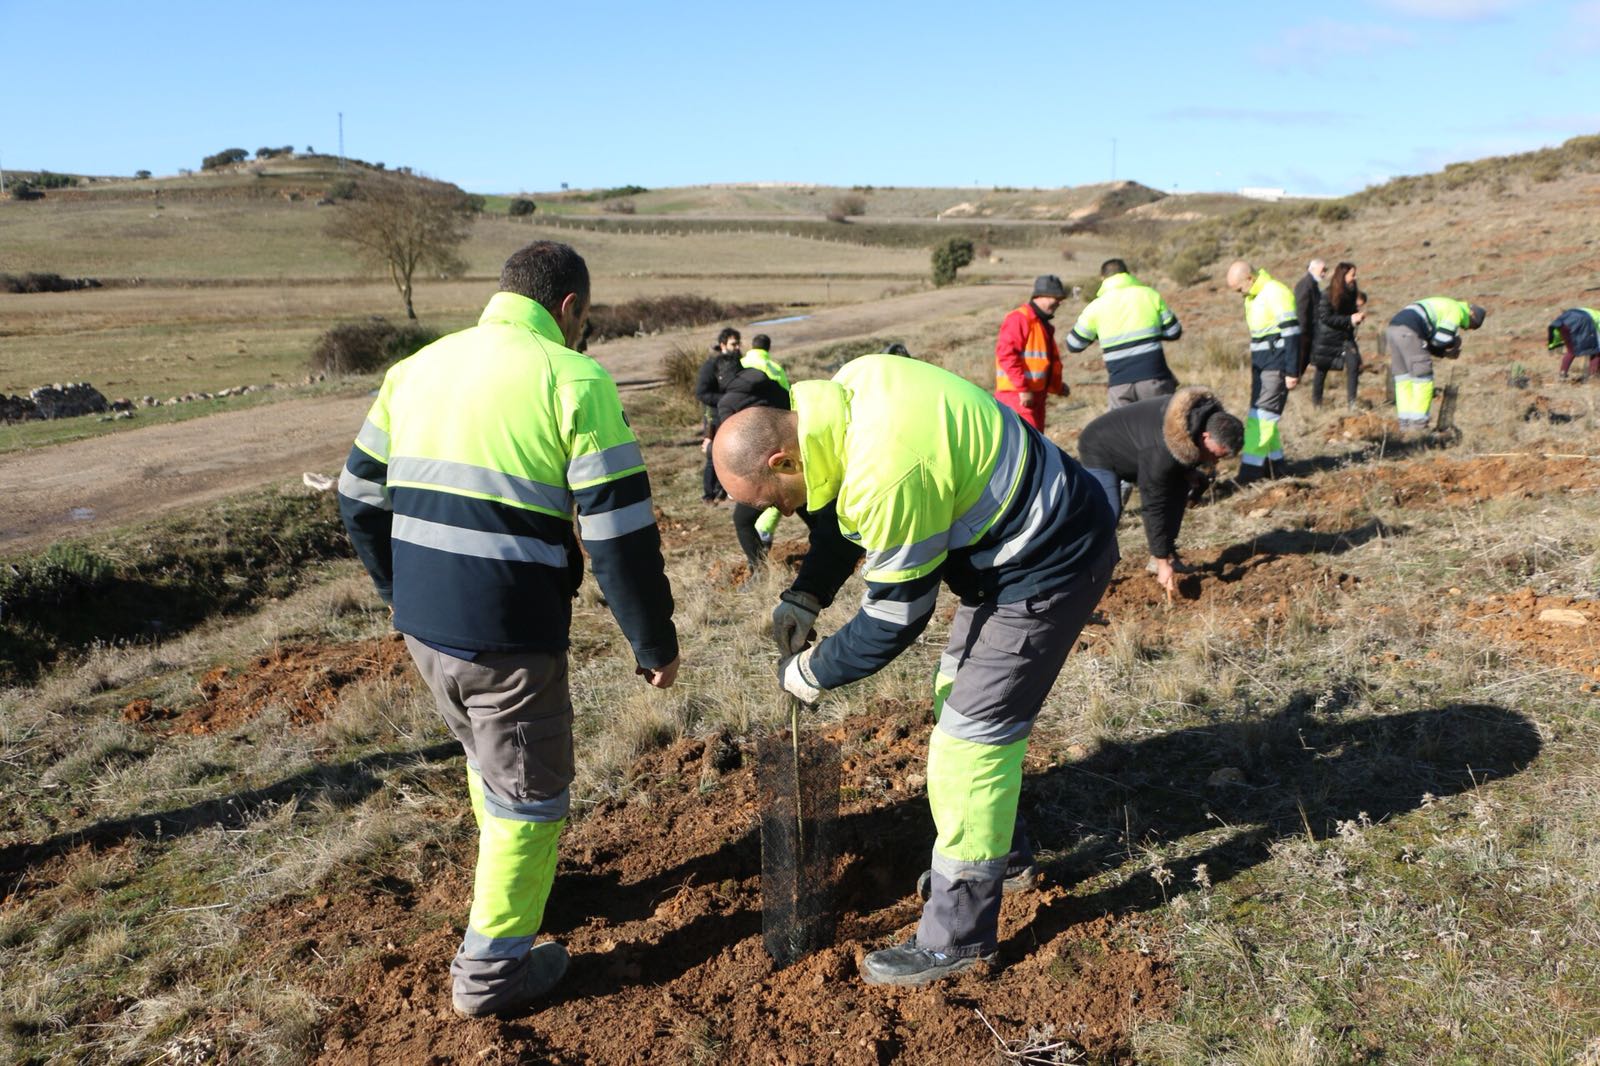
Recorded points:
(1240, 276)
(756, 454)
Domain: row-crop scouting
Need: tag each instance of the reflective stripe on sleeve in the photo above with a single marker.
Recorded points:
(373, 440)
(363, 491)
(918, 557)
(607, 463)
(900, 612)
(608, 525)
(477, 543)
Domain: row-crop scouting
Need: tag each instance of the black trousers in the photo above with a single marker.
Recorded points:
(744, 527)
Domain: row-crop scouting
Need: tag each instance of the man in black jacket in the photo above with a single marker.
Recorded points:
(716, 373)
(1157, 444)
(751, 387)
(1307, 294)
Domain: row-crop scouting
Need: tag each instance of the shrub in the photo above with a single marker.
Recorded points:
(950, 257)
(141, 175)
(25, 190)
(1187, 268)
(847, 206)
(680, 366)
(475, 203)
(1334, 211)
(653, 314)
(364, 347)
(521, 207)
(343, 189)
(33, 282)
(621, 207)
(47, 180)
(224, 158)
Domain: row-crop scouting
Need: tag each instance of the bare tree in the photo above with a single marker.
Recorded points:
(401, 224)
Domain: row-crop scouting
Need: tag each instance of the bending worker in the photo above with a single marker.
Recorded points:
(1274, 366)
(458, 496)
(1027, 363)
(1130, 319)
(933, 481)
(1158, 444)
(1420, 331)
(1577, 330)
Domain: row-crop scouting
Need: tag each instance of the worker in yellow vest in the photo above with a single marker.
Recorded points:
(1274, 366)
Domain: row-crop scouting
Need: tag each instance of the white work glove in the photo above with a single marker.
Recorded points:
(792, 620)
(794, 674)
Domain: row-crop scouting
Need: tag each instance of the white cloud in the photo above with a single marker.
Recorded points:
(1262, 115)
(1314, 44)
(1453, 10)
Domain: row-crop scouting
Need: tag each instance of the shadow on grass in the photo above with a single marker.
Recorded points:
(341, 785)
(1300, 772)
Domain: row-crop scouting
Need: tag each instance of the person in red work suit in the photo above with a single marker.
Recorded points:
(1027, 363)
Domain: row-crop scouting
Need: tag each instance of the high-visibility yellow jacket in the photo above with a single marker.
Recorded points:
(1130, 320)
(459, 492)
(1438, 320)
(933, 480)
(761, 359)
(1274, 327)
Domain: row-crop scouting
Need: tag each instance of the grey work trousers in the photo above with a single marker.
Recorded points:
(996, 671)
(1134, 391)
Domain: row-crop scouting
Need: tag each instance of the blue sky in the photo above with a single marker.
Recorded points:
(507, 97)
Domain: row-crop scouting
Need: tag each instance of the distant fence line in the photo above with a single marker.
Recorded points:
(881, 235)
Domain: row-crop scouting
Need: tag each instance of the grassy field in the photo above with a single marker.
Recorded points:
(1338, 796)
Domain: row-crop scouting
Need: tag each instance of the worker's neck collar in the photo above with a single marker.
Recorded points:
(521, 311)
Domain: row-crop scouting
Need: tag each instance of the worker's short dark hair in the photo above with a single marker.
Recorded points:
(728, 333)
(761, 340)
(545, 272)
(1113, 266)
(898, 349)
(1226, 430)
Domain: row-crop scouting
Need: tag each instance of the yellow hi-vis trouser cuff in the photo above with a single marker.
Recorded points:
(1261, 437)
(516, 867)
(973, 791)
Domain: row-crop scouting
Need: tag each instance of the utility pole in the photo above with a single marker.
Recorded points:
(341, 140)
(1113, 159)
(2, 180)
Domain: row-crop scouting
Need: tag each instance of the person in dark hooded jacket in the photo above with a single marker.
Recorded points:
(751, 387)
(1158, 444)
(1334, 346)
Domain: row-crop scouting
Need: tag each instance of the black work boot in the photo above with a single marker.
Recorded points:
(907, 964)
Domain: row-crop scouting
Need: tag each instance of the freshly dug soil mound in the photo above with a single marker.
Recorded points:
(1557, 630)
(305, 680)
(658, 899)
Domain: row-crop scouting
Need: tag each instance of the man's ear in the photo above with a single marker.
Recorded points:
(781, 462)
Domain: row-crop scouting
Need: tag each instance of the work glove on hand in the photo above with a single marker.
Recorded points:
(792, 620)
(794, 674)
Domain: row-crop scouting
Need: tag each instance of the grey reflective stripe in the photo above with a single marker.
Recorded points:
(447, 474)
(373, 440)
(948, 665)
(900, 612)
(608, 525)
(1261, 345)
(1041, 508)
(955, 724)
(1132, 335)
(1289, 331)
(975, 520)
(361, 490)
(1133, 349)
(908, 556)
(597, 466)
(477, 543)
(1077, 342)
(477, 946)
(1263, 416)
(968, 869)
(546, 810)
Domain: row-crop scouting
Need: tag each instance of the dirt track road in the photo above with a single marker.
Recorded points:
(71, 489)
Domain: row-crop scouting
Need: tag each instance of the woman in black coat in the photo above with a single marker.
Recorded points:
(1334, 345)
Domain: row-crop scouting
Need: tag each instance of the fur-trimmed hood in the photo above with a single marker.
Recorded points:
(1184, 420)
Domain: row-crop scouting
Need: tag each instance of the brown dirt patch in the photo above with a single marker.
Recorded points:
(1257, 587)
(658, 899)
(304, 679)
(788, 554)
(1546, 629)
(1426, 483)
